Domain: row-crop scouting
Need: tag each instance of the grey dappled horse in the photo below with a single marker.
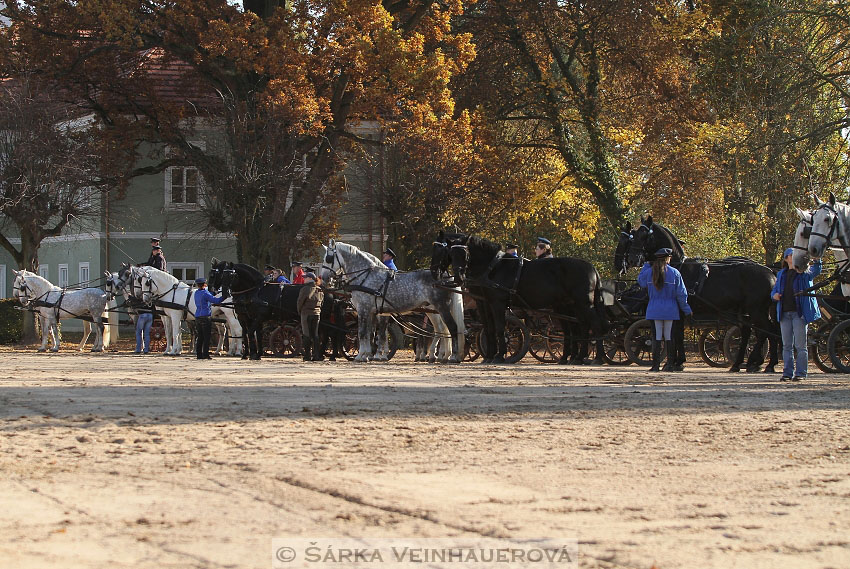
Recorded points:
(377, 290)
(53, 303)
(830, 225)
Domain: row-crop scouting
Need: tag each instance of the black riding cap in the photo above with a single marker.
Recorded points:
(154, 239)
(390, 252)
(544, 241)
(664, 252)
(268, 268)
(200, 281)
(157, 248)
(511, 246)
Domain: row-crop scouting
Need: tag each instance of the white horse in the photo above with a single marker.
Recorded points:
(377, 290)
(830, 224)
(177, 300)
(800, 257)
(52, 304)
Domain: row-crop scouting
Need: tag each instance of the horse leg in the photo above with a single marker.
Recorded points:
(257, 335)
(86, 332)
(383, 349)
(177, 331)
(166, 326)
(447, 329)
(489, 344)
(42, 320)
(54, 330)
(98, 339)
(365, 331)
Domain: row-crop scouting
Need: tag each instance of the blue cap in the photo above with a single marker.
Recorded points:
(544, 241)
(200, 281)
(788, 251)
(664, 252)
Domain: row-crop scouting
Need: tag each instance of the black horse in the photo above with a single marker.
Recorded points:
(570, 287)
(735, 290)
(254, 300)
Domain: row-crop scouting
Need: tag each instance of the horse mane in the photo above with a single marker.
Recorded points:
(38, 278)
(483, 244)
(678, 250)
(353, 250)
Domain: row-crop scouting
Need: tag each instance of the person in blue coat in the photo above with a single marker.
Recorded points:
(203, 321)
(794, 311)
(388, 259)
(667, 295)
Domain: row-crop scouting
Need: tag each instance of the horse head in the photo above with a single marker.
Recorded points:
(440, 257)
(221, 275)
(800, 257)
(332, 263)
(625, 240)
(450, 250)
(147, 285)
(20, 288)
(826, 226)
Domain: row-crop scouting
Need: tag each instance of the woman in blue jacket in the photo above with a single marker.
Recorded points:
(794, 311)
(667, 294)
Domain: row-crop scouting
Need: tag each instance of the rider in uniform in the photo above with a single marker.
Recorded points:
(309, 306)
(387, 258)
(543, 250)
(203, 314)
(511, 250)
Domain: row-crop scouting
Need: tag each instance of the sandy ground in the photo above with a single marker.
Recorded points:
(115, 460)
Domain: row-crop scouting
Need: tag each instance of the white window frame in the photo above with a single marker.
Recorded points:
(44, 271)
(2, 281)
(84, 278)
(199, 269)
(169, 174)
(60, 281)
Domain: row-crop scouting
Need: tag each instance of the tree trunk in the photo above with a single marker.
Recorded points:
(29, 262)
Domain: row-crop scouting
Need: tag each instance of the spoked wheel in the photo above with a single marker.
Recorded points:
(711, 347)
(351, 344)
(471, 349)
(395, 339)
(158, 340)
(555, 341)
(286, 341)
(538, 341)
(516, 340)
(838, 345)
(732, 343)
(614, 347)
(819, 348)
(638, 343)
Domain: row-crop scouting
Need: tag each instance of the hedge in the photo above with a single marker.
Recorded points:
(11, 321)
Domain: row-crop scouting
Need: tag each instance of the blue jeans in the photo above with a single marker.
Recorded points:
(793, 329)
(143, 329)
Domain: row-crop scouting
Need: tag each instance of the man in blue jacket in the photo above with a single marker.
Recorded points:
(794, 311)
(203, 313)
(388, 259)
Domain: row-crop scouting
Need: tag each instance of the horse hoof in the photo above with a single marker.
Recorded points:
(563, 361)
(498, 360)
(768, 369)
(42, 350)
(54, 350)
(735, 369)
(753, 369)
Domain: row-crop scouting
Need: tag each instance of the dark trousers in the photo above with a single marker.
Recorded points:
(310, 335)
(202, 345)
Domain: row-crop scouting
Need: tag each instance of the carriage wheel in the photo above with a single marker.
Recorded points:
(711, 347)
(158, 339)
(614, 347)
(839, 346)
(395, 339)
(471, 349)
(285, 341)
(351, 345)
(538, 343)
(732, 343)
(638, 343)
(820, 347)
(516, 340)
(555, 342)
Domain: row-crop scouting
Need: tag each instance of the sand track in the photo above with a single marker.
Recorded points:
(117, 460)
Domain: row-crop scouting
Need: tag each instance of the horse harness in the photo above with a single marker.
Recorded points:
(379, 293)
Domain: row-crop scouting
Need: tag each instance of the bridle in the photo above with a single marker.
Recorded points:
(449, 259)
(833, 226)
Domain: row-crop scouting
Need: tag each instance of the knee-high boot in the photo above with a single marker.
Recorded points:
(656, 355)
(671, 356)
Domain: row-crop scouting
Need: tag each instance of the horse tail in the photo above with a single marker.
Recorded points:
(599, 306)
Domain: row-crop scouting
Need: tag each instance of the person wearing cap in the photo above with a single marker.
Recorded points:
(543, 249)
(511, 250)
(157, 259)
(203, 313)
(297, 272)
(309, 306)
(388, 257)
(794, 312)
(667, 296)
(268, 273)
